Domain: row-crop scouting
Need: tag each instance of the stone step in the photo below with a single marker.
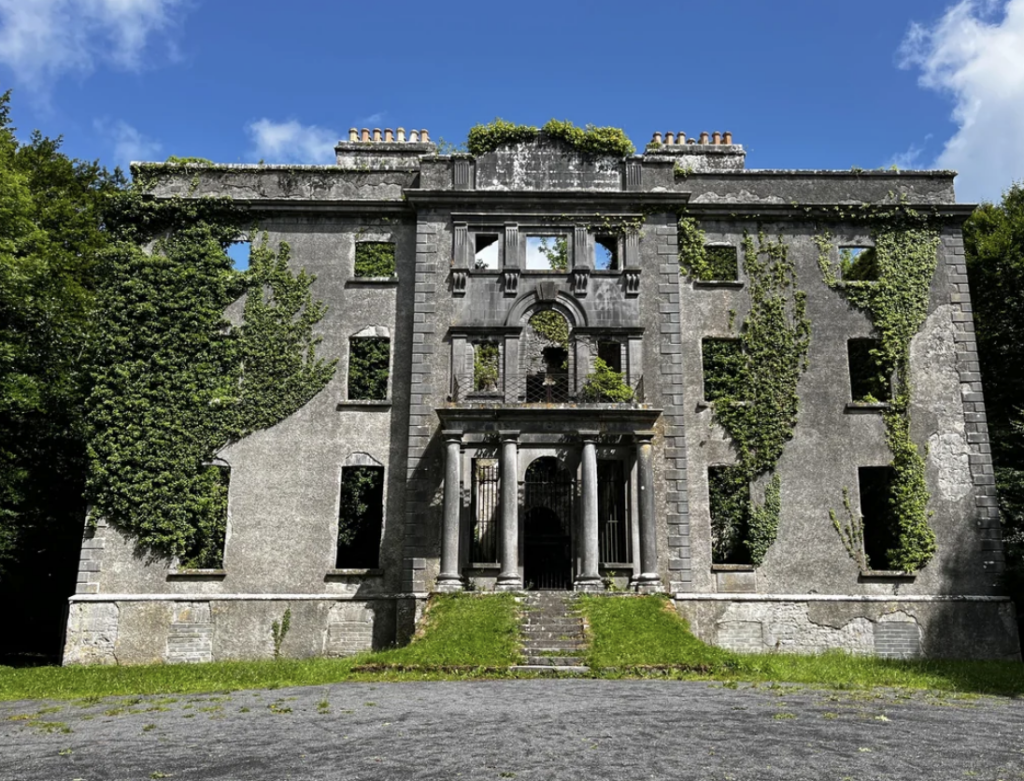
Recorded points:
(552, 634)
(554, 645)
(555, 661)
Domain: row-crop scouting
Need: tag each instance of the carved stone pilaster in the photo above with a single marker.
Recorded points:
(510, 282)
(511, 245)
(631, 281)
(633, 175)
(462, 174)
(460, 245)
(581, 258)
(580, 282)
(459, 276)
(632, 253)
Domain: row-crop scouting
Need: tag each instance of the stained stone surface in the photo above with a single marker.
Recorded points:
(535, 729)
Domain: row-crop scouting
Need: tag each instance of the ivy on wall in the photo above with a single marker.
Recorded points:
(703, 263)
(591, 140)
(604, 384)
(369, 366)
(895, 298)
(551, 326)
(375, 259)
(175, 382)
(757, 405)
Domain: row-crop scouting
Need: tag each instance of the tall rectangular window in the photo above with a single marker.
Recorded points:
(369, 365)
(613, 530)
(870, 374)
(725, 369)
(485, 510)
(360, 517)
(729, 505)
(881, 529)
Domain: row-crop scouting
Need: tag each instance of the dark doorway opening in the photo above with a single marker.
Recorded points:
(548, 492)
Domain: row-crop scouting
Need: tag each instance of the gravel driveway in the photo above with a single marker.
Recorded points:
(526, 729)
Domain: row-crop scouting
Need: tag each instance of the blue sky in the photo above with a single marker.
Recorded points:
(800, 83)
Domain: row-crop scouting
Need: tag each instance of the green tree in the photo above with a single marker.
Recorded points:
(51, 237)
(994, 243)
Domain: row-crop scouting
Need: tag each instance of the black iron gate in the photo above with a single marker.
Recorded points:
(548, 498)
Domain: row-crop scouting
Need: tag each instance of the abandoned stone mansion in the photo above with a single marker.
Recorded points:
(755, 391)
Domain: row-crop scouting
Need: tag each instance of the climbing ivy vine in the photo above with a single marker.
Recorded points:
(175, 382)
(903, 264)
(590, 140)
(758, 406)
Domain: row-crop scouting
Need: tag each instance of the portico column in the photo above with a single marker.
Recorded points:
(589, 579)
(648, 580)
(449, 579)
(508, 578)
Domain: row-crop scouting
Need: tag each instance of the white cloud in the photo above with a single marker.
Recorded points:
(128, 144)
(42, 40)
(290, 142)
(975, 53)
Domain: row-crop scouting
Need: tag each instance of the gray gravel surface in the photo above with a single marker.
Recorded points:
(526, 729)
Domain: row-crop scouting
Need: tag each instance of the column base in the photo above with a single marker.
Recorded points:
(648, 583)
(509, 583)
(589, 583)
(449, 584)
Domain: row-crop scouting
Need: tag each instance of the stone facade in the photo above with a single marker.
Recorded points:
(522, 479)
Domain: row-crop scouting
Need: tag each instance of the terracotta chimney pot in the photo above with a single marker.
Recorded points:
(401, 135)
(353, 135)
(424, 137)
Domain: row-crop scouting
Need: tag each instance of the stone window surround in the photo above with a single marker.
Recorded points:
(512, 243)
(370, 332)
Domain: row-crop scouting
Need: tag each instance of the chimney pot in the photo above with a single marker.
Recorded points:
(424, 137)
(353, 135)
(365, 135)
(704, 137)
(388, 136)
(401, 135)
(680, 138)
(656, 139)
(669, 138)
(727, 138)
(414, 136)
(716, 138)
(376, 134)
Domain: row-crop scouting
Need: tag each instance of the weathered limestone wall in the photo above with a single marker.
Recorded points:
(902, 628)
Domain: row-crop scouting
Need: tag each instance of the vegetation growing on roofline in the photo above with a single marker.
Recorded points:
(589, 140)
(174, 382)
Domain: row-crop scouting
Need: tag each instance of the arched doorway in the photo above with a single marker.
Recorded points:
(548, 492)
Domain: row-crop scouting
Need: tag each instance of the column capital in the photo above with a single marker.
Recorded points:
(452, 435)
(644, 437)
(509, 435)
(589, 435)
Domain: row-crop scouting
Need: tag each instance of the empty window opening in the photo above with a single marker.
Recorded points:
(375, 259)
(486, 251)
(729, 505)
(611, 354)
(725, 369)
(239, 252)
(547, 253)
(881, 529)
(606, 253)
(369, 363)
(360, 517)
(870, 373)
(546, 358)
(485, 367)
(613, 529)
(205, 547)
(486, 499)
(858, 264)
(721, 264)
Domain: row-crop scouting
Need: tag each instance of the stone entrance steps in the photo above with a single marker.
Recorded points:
(553, 638)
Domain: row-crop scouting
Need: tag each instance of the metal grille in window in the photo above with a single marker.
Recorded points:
(485, 510)
(611, 507)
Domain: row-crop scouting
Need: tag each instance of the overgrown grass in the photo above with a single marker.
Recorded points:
(463, 630)
(463, 635)
(645, 636)
(472, 636)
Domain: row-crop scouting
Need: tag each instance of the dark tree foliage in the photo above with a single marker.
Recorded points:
(51, 236)
(994, 242)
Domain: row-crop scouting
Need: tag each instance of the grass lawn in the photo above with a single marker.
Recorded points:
(645, 636)
(477, 636)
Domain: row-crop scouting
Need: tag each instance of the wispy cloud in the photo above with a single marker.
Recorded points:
(910, 158)
(373, 119)
(127, 143)
(975, 53)
(292, 142)
(42, 40)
